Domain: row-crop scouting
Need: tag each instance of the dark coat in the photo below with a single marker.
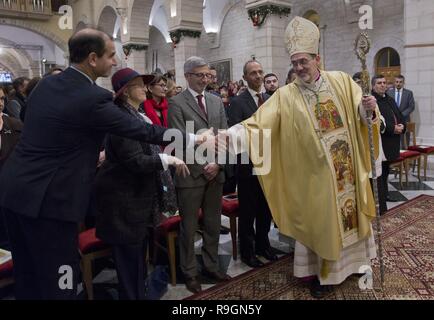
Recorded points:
(10, 135)
(390, 140)
(243, 107)
(126, 189)
(52, 169)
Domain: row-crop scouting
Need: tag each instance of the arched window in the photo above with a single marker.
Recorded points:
(388, 63)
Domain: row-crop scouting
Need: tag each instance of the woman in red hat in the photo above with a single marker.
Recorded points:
(130, 189)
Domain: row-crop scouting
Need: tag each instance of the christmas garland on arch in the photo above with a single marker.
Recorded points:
(258, 15)
(176, 35)
(128, 48)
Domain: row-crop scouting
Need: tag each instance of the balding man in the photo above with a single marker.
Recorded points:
(46, 184)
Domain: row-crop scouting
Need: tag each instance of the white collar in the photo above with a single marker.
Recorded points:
(194, 93)
(253, 92)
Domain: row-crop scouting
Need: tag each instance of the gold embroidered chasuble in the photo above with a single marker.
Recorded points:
(318, 186)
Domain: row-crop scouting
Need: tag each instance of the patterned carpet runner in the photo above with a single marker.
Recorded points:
(408, 253)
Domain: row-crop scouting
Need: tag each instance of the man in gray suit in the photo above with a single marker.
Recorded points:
(405, 101)
(204, 187)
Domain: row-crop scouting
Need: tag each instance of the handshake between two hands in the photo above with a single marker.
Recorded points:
(209, 139)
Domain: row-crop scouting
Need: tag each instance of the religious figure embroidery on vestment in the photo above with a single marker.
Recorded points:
(349, 215)
(341, 155)
(328, 117)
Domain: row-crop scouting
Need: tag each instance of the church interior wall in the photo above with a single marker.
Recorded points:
(236, 40)
(164, 51)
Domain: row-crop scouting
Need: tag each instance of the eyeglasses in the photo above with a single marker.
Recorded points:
(202, 75)
(161, 85)
(302, 62)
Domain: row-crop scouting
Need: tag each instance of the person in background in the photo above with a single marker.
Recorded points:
(292, 75)
(213, 86)
(357, 77)
(10, 130)
(255, 216)
(32, 85)
(405, 101)
(178, 89)
(156, 106)
(171, 89)
(395, 127)
(271, 83)
(17, 102)
(53, 71)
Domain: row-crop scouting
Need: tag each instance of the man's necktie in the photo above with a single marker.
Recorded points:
(260, 100)
(201, 105)
(398, 98)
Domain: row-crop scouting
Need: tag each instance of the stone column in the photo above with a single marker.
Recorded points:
(137, 61)
(418, 66)
(270, 45)
(186, 48)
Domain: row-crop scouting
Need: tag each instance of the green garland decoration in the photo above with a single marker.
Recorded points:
(128, 48)
(176, 35)
(259, 14)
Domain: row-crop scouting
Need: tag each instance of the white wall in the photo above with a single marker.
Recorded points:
(419, 62)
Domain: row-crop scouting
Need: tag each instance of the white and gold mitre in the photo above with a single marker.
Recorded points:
(302, 36)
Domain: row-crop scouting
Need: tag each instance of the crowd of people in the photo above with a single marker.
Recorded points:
(80, 149)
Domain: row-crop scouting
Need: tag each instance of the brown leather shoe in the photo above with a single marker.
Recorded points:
(193, 285)
(217, 275)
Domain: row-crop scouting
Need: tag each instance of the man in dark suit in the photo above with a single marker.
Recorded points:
(46, 183)
(18, 101)
(10, 130)
(391, 132)
(405, 101)
(253, 205)
(204, 187)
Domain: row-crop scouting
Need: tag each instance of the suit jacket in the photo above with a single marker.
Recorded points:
(10, 135)
(243, 107)
(390, 141)
(407, 104)
(13, 109)
(127, 186)
(51, 171)
(184, 107)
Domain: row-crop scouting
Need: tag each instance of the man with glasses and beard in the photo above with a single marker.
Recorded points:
(308, 120)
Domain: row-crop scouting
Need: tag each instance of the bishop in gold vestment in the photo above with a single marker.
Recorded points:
(318, 186)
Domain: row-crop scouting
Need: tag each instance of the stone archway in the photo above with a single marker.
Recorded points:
(388, 63)
(18, 60)
(140, 13)
(107, 20)
(39, 30)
